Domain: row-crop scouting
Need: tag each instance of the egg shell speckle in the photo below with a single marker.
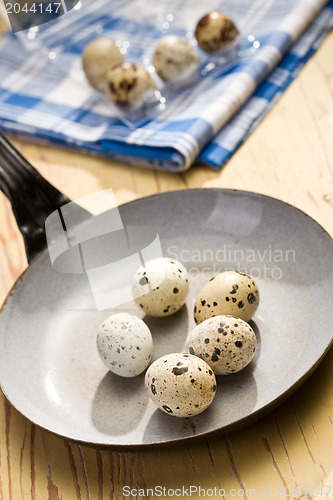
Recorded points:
(215, 31)
(98, 57)
(128, 83)
(125, 344)
(174, 56)
(160, 287)
(180, 384)
(230, 292)
(226, 343)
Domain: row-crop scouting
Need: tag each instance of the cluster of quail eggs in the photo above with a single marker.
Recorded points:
(174, 59)
(125, 83)
(222, 342)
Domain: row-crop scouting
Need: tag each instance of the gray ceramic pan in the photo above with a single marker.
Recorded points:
(49, 366)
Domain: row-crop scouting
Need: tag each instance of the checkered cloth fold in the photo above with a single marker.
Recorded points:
(44, 94)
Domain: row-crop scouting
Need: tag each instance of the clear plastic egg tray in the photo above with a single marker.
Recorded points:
(136, 26)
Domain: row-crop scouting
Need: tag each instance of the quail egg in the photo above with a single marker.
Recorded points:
(160, 287)
(226, 343)
(98, 57)
(125, 344)
(181, 384)
(230, 292)
(128, 83)
(174, 56)
(215, 31)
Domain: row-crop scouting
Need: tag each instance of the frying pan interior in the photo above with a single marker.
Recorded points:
(49, 365)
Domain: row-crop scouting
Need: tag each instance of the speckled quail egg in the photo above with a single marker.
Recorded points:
(215, 31)
(128, 83)
(125, 344)
(174, 57)
(226, 343)
(98, 57)
(230, 292)
(181, 384)
(160, 287)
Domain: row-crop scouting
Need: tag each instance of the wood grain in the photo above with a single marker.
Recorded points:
(288, 453)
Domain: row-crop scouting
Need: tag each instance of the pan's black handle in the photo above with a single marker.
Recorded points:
(32, 197)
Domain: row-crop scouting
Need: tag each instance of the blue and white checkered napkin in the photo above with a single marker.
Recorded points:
(44, 94)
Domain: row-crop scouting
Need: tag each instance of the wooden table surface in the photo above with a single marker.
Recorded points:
(287, 454)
